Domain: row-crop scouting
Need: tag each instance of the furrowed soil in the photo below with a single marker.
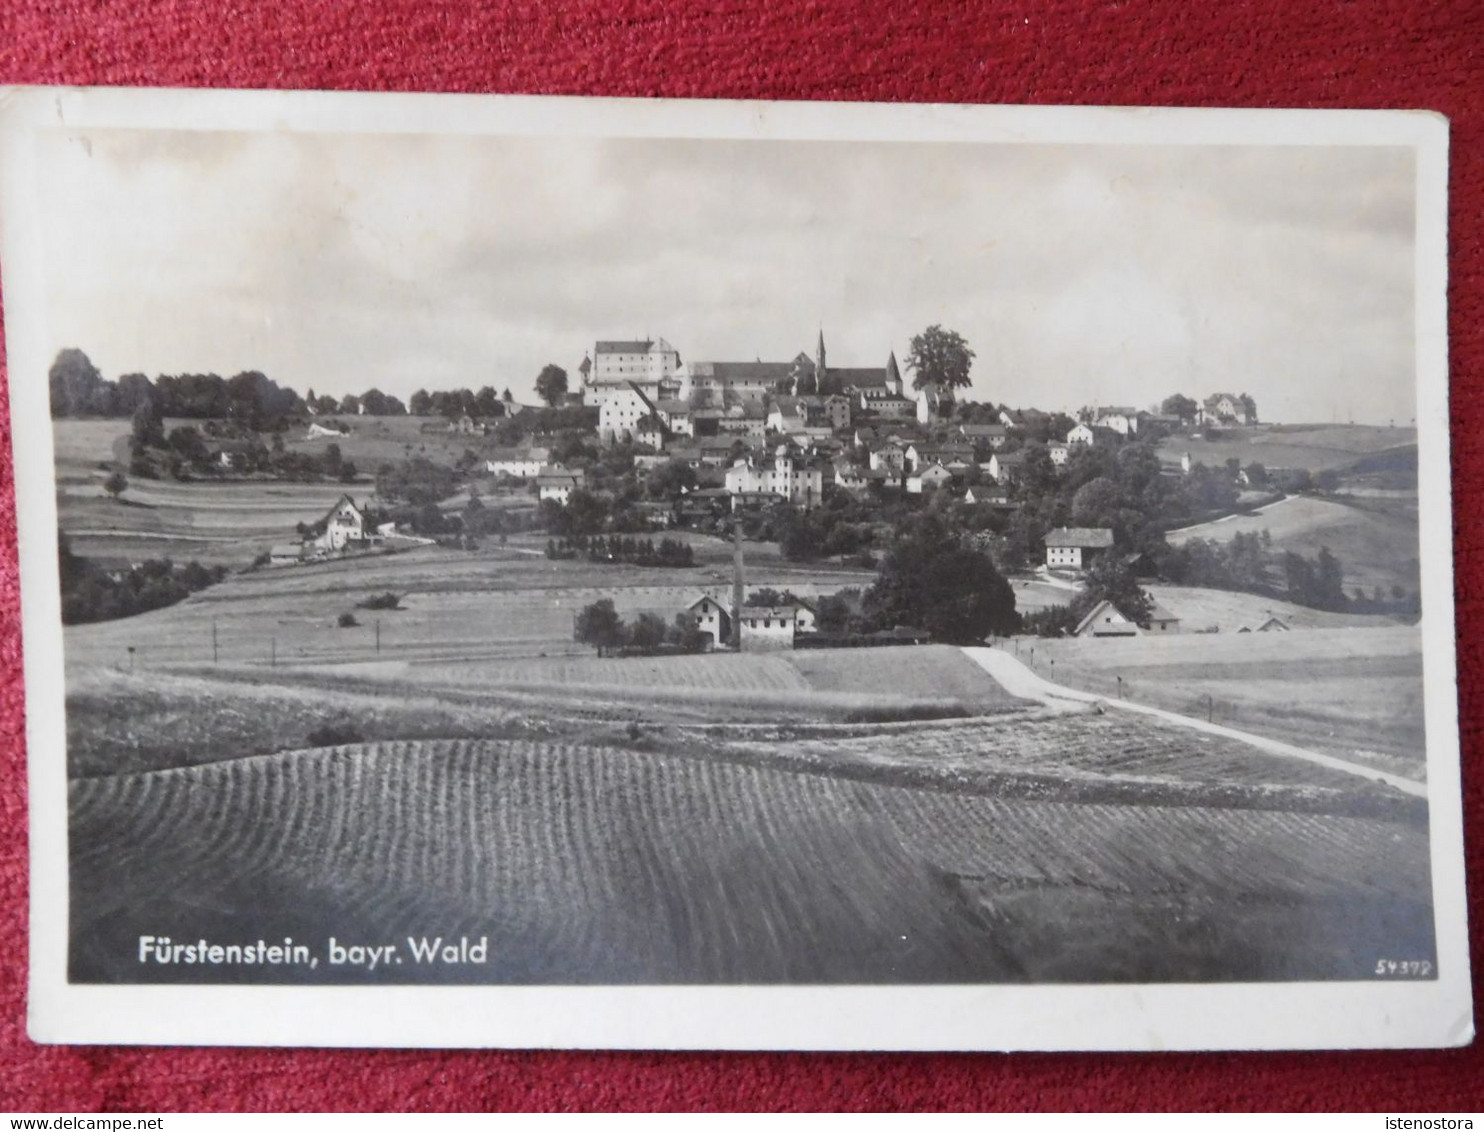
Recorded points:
(596, 864)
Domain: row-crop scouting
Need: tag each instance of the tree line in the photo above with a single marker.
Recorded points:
(91, 593)
(622, 549)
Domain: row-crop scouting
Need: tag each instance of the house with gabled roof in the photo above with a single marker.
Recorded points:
(523, 463)
(1006, 467)
(1105, 620)
(1075, 548)
(712, 618)
(775, 626)
(558, 482)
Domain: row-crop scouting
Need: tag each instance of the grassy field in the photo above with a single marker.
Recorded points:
(1375, 539)
(1318, 447)
(373, 441)
(499, 601)
(227, 523)
(1226, 611)
(591, 863)
(1356, 693)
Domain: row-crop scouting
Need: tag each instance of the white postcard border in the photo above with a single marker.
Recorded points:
(1111, 1017)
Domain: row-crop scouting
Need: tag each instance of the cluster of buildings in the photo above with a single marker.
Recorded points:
(343, 530)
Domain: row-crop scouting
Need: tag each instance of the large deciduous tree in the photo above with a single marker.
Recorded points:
(939, 357)
(931, 579)
(1179, 405)
(551, 383)
(599, 625)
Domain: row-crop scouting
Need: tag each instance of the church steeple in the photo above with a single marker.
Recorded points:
(893, 374)
(819, 366)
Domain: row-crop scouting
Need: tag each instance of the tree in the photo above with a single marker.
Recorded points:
(1179, 405)
(147, 427)
(1249, 408)
(599, 625)
(421, 404)
(1110, 580)
(670, 480)
(116, 484)
(551, 384)
(648, 632)
(939, 357)
(76, 385)
(932, 580)
(188, 443)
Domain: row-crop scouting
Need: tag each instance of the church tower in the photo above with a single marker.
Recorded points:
(820, 386)
(893, 375)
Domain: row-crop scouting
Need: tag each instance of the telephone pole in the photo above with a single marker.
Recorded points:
(213, 641)
(737, 583)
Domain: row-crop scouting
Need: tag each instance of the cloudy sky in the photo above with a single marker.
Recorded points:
(1077, 273)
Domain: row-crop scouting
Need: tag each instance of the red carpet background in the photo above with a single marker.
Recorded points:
(1270, 53)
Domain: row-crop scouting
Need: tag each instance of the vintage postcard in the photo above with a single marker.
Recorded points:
(563, 572)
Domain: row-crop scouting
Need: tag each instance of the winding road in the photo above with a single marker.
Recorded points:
(1019, 680)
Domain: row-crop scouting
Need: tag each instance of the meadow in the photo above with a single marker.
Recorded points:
(596, 864)
(1317, 447)
(1352, 692)
(1375, 538)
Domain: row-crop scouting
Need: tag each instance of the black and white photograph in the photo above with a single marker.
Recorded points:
(881, 549)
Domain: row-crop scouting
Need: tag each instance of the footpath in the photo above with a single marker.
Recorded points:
(1020, 681)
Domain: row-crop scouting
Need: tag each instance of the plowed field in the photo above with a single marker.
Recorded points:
(595, 864)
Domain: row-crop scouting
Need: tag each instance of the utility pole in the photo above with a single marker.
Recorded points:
(737, 583)
(213, 641)
(378, 636)
(272, 652)
(1210, 708)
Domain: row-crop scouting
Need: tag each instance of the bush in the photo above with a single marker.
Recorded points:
(347, 620)
(386, 600)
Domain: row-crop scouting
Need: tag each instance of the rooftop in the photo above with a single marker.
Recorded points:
(1089, 538)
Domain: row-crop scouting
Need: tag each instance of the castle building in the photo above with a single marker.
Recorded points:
(652, 364)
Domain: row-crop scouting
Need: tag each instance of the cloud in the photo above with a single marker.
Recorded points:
(1077, 273)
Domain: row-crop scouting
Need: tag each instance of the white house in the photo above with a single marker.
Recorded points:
(980, 435)
(1006, 467)
(886, 403)
(888, 457)
(774, 626)
(1117, 418)
(677, 416)
(1059, 453)
(1161, 620)
(623, 410)
(849, 477)
(933, 402)
(1220, 407)
(1104, 620)
(712, 618)
(1073, 548)
(933, 476)
(788, 477)
(1081, 434)
(788, 414)
(345, 526)
(285, 554)
(523, 463)
(558, 482)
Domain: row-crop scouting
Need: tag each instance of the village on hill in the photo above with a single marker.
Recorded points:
(832, 463)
